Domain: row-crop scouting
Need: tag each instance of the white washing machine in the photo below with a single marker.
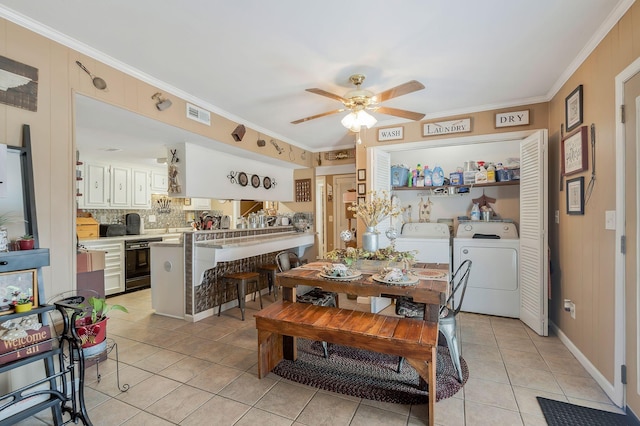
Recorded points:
(494, 285)
(431, 241)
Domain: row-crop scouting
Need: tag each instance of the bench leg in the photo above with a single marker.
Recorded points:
(269, 351)
(427, 370)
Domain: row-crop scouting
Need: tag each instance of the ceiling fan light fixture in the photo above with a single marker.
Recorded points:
(356, 119)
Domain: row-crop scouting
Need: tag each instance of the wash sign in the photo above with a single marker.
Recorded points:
(514, 118)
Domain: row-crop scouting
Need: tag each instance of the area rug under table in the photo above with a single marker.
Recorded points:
(369, 375)
(558, 413)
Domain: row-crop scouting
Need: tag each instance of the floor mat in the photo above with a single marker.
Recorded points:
(558, 413)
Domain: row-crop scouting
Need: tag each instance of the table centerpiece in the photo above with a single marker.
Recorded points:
(371, 212)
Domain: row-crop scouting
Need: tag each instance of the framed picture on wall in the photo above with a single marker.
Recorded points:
(362, 189)
(575, 196)
(362, 174)
(573, 109)
(575, 152)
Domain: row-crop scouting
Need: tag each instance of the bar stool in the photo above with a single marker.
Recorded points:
(241, 281)
(268, 271)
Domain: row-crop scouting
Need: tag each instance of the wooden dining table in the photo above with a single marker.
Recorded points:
(430, 291)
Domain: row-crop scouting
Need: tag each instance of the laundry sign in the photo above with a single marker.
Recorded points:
(513, 118)
(390, 134)
(446, 127)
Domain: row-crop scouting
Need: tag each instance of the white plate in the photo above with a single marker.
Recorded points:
(347, 278)
(410, 281)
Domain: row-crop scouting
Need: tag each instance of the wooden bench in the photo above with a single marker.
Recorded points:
(411, 338)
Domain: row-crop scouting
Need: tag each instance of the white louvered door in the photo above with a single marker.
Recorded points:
(534, 225)
(379, 163)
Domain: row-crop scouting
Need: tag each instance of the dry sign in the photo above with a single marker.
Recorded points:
(514, 118)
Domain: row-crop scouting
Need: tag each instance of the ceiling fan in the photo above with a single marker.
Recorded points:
(358, 101)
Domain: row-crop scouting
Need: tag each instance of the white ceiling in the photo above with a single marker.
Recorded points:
(251, 60)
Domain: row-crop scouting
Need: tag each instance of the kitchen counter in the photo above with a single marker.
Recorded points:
(144, 236)
(209, 253)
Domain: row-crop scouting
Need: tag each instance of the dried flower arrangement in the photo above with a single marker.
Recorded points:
(378, 207)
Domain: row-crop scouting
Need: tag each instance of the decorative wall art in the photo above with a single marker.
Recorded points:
(513, 118)
(362, 189)
(575, 154)
(18, 84)
(174, 184)
(391, 134)
(362, 174)
(575, 196)
(303, 190)
(573, 109)
(256, 181)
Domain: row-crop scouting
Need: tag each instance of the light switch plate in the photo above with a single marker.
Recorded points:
(610, 220)
(557, 216)
(152, 218)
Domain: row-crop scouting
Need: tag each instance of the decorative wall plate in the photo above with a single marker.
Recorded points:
(266, 182)
(243, 179)
(255, 181)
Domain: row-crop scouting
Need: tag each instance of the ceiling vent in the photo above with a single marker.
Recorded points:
(198, 114)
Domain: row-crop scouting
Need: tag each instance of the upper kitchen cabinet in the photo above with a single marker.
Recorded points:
(140, 189)
(159, 182)
(120, 182)
(96, 193)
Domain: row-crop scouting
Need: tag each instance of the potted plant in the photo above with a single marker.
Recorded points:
(92, 328)
(26, 242)
(22, 302)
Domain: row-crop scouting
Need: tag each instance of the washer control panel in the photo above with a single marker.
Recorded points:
(503, 230)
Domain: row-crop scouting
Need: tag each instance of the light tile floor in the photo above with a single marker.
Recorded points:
(205, 373)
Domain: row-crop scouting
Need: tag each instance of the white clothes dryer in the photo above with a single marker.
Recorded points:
(494, 284)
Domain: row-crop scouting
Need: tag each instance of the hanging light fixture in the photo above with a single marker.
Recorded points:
(356, 119)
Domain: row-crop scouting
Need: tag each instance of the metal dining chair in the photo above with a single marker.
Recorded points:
(448, 312)
(306, 294)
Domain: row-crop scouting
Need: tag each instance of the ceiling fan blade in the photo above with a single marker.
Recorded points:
(327, 94)
(400, 113)
(302, 120)
(403, 89)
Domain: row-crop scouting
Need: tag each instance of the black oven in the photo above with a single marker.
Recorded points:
(137, 270)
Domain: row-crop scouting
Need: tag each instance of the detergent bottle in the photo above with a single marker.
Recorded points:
(437, 178)
(475, 212)
(427, 176)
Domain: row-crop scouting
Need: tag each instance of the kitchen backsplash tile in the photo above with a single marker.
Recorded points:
(175, 218)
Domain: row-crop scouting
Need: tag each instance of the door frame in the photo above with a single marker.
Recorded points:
(618, 391)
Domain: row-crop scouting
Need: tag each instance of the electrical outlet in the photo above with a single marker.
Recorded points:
(152, 218)
(557, 216)
(573, 310)
(610, 220)
(567, 305)
(103, 218)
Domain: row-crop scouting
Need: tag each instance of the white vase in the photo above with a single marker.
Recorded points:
(370, 239)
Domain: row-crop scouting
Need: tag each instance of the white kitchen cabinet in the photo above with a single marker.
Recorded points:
(199, 204)
(159, 182)
(113, 265)
(120, 182)
(115, 186)
(141, 197)
(96, 194)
